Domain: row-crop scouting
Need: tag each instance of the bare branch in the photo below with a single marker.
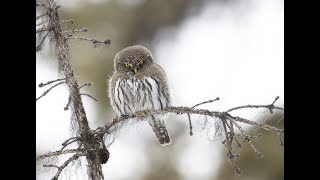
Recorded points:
(68, 142)
(40, 4)
(71, 21)
(237, 169)
(270, 106)
(50, 165)
(48, 90)
(263, 126)
(45, 28)
(248, 139)
(85, 84)
(190, 125)
(79, 117)
(281, 139)
(188, 110)
(50, 82)
(70, 32)
(230, 154)
(43, 22)
(65, 164)
(68, 104)
(38, 17)
(205, 102)
(58, 153)
(94, 41)
(39, 47)
(84, 94)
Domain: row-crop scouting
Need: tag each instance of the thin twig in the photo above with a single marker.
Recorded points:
(49, 82)
(68, 104)
(43, 22)
(38, 17)
(76, 31)
(230, 155)
(248, 139)
(254, 106)
(277, 97)
(85, 84)
(263, 126)
(281, 139)
(65, 164)
(48, 90)
(190, 125)
(280, 119)
(50, 165)
(205, 102)
(84, 94)
(94, 41)
(57, 153)
(68, 142)
(71, 21)
(40, 4)
(45, 28)
(232, 134)
(237, 169)
(38, 48)
(270, 106)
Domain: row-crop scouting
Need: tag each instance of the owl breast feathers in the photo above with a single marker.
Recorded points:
(132, 95)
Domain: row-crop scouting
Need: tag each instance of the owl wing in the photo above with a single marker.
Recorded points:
(111, 90)
(156, 72)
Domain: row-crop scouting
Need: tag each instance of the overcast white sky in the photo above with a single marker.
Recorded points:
(238, 57)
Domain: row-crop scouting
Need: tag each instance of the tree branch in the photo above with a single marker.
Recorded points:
(90, 96)
(94, 41)
(44, 28)
(58, 153)
(77, 109)
(48, 90)
(65, 164)
(50, 82)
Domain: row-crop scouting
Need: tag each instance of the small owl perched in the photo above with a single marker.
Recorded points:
(139, 84)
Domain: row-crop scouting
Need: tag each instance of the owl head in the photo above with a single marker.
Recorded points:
(132, 59)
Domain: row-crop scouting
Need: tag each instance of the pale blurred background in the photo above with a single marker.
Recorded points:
(232, 49)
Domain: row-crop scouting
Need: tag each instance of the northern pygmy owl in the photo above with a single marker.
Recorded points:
(139, 84)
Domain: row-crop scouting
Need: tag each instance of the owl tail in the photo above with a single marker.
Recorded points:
(159, 129)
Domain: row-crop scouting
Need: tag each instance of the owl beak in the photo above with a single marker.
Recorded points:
(135, 70)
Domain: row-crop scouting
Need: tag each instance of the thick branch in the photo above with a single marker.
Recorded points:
(65, 68)
(186, 110)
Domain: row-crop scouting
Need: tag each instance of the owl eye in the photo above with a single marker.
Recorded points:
(141, 61)
(126, 64)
